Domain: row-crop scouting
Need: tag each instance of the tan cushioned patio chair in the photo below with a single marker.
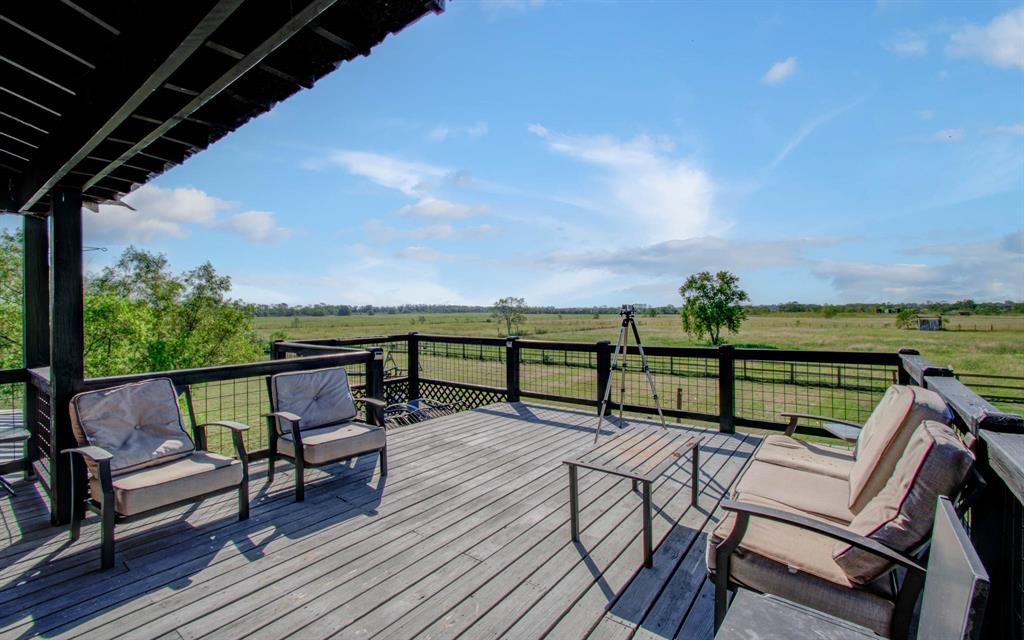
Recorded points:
(140, 459)
(817, 559)
(313, 422)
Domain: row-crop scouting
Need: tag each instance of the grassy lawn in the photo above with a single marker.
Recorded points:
(975, 344)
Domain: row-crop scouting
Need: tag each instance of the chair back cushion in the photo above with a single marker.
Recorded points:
(140, 424)
(935, 463)
(321, 397)
(956, 587)
(885, 435)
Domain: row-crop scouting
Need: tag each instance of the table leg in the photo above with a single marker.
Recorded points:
(574, 504)
(695, 474)
(648, 534)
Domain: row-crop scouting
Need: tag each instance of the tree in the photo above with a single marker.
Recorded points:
(712, 302)
(511, 312)
(905, 318)
(10, 299)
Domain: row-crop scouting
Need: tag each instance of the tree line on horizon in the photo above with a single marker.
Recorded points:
(970, 307)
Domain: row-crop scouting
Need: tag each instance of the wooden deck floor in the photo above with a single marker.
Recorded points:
(468, 537)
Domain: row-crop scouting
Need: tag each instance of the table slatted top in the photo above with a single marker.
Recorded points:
(639, 452)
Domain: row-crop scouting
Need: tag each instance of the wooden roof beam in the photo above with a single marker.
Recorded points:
(54, 161)
(287, 30)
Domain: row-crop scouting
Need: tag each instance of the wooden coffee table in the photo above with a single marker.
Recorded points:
(641, 453)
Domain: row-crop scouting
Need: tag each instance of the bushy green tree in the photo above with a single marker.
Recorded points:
(140, 317)
(711, 302)
(511, 312)
(10, 299)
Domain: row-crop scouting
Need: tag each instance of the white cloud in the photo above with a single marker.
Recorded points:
(650, 190)
(780, 71)
(442, 132)
(999, 43)
(1015, 130)
(538, 130)
(411, 178)
(425, 254)
(439, 133)
(982, 270)
(926, 114)
(158, 213)
(257, 226)
(431, 207)
(379, 230)
(806, 130)
(477, 130)
(908, 43)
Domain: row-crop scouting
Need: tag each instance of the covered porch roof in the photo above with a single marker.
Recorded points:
(102, 97)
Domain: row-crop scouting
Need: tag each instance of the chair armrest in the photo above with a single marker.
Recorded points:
(373, 402)
(94, 453)
(744, 510)
(794, 417)
(284, 415)
(228, 424)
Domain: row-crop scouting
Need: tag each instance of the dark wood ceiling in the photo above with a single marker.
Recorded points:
(104, 95)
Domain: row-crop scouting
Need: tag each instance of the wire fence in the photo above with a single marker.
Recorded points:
(12, 402)
(767, 388)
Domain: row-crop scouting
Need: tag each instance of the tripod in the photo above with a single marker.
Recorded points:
(621, 345)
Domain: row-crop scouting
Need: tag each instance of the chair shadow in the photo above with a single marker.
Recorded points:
(65, 587)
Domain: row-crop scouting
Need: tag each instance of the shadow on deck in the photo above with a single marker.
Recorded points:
(468, 536)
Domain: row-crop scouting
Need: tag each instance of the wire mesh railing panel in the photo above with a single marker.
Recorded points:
(554, 372)
(245, 400)
(766, 388)
(684, 384)
(12, 403)
(478, 364)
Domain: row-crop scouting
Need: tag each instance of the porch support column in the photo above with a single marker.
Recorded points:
(67, 317)
(35, 338)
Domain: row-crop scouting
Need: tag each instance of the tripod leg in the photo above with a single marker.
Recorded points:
(622, 369)
(647, 372)
(608, 385)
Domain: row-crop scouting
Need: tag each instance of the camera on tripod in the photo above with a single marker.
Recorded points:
(627, 310)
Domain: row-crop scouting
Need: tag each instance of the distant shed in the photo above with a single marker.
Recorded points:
(929, 323)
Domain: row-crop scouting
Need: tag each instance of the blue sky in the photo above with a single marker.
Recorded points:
(583, 153)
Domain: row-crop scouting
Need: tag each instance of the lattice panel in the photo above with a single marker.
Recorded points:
(460, 397)
(396, 391)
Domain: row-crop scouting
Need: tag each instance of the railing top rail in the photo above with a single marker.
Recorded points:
(12, 376)
(344, 342)
(234, 371)
(310, 346)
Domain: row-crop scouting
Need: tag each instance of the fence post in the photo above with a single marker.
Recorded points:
(375, 381)
(413, 366)
(904, 375)
(726, 388)
(512, 368)
(604, 371)
(275, 353)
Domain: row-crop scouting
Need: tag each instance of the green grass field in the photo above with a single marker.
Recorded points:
(975, 344)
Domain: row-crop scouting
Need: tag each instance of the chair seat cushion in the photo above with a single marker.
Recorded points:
(835, 462)
(327, 444)
(806, 492)
(934, 464)
(885, 435)
(797, 565)
(319, 397)
(198, 474)
(140, 424)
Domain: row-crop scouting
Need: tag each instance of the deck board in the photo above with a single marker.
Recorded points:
(467, 537)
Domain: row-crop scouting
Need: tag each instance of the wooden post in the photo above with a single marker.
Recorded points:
(413, 364)
(375, 383)
(512, 368)
(67, 368)
(726, 388)
(679, 402)
(604, 370)
(35, 320)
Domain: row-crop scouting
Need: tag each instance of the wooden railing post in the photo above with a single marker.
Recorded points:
(512, 368)
(35, 321)
(413, 366)
(375, 381)
(726, 388)
(604, 371)
(904, 375)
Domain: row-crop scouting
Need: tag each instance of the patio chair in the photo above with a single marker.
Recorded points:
(313, 422)
(835, 482)
(843, 566)
(952, 605)
(140, 460)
